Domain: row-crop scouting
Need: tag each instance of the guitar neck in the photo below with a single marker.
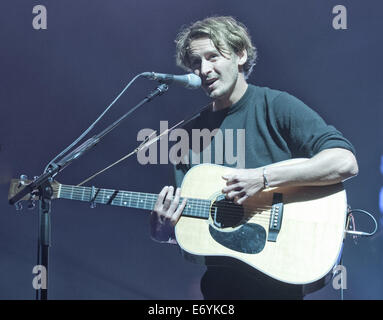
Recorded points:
(198, 208)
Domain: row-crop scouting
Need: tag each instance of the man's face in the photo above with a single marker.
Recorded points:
(218, 71)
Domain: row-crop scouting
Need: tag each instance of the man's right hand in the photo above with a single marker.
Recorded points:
(167, 208)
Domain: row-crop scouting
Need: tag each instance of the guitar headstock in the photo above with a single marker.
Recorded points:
(17, 185)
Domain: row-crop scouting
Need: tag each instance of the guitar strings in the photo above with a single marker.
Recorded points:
(197, 204)
(257, 215)
(135, 195)
(201, 203)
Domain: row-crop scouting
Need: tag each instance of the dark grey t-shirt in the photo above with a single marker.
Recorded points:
(277, 127)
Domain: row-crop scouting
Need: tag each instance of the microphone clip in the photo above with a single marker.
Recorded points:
(161, 89)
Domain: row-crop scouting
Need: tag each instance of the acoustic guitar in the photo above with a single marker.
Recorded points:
(292, 234)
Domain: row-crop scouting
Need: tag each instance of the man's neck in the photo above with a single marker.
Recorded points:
(235, 95)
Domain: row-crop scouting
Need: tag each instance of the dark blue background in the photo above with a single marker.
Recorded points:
(55, 82)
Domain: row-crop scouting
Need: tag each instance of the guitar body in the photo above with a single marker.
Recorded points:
(307, 245)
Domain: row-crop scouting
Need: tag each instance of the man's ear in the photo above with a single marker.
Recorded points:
(242, 55)
(242, 58)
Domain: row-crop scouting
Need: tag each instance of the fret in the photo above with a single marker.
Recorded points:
(71, 195)
(107, 196)
(121, 196)
(188, 208)
(146, 198)
(103, 196)
(153, 201)
(123, 199)
(141, 201)
(87, 193)
(133, 200)
(115, 194)
(98, 198)
(129, 198)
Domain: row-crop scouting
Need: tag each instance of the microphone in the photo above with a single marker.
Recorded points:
(190, 81)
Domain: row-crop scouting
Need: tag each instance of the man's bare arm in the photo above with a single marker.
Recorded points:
(330, 166)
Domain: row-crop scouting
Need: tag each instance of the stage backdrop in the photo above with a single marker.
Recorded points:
(63, 62)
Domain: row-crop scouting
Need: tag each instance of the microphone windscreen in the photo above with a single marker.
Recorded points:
(194, 81)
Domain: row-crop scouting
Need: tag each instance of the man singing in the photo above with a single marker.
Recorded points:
(277, 127)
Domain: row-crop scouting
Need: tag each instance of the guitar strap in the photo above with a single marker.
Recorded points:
(147, 142)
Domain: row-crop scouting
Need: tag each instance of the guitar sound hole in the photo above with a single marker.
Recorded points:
(225, 213)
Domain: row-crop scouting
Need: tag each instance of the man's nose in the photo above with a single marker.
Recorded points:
(206, 67)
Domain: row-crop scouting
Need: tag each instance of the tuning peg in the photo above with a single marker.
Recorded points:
(18, 206)
(23, 179)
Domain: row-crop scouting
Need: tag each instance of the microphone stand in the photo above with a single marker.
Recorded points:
(45, 191)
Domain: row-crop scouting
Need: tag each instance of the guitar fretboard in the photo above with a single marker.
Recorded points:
(198, 208)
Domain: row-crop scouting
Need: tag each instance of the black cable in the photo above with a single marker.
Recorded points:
(362, 233)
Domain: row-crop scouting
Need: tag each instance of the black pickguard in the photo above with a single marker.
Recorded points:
(249, 238)
(246, 238)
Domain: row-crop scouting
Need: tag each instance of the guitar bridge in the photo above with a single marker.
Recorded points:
(275, 217)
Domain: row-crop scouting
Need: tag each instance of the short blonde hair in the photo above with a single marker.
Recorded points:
(222, 31)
